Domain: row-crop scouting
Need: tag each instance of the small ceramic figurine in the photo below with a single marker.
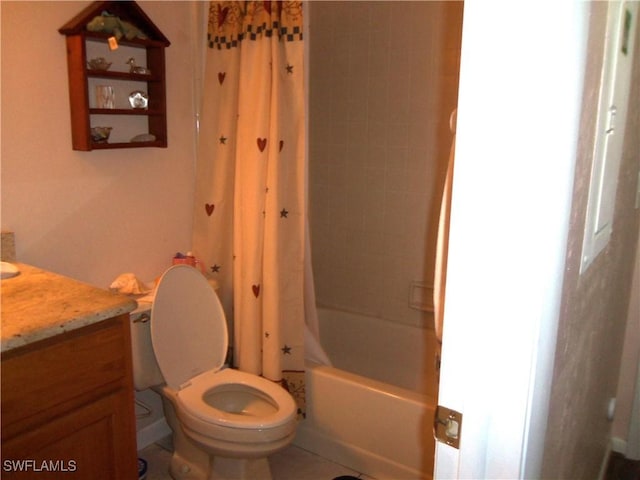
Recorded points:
(100, 134)
(133, 68)
(98, 63)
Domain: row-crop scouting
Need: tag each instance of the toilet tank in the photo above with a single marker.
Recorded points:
(146, 372)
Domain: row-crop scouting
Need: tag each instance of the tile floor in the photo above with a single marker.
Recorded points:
(292, 463)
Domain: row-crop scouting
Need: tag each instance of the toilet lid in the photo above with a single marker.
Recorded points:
(188, 326)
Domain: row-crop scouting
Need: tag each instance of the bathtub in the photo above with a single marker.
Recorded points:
(372, 411)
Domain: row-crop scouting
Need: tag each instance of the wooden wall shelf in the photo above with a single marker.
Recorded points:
(82, 45)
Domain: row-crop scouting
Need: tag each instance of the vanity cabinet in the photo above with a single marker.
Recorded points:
(68, 405)
(126, 122)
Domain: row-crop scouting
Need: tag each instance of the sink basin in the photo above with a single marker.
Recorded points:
(8, 270)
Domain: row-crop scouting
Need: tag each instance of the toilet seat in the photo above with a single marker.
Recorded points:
(225, 422)
(189, 336)
(256, 403)
(188, 326)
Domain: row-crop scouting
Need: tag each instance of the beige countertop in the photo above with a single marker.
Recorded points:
(38, 304)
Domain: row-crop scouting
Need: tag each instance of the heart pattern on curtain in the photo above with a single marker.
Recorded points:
(251, 231)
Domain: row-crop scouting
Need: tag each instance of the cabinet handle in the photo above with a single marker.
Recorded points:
(144, 318)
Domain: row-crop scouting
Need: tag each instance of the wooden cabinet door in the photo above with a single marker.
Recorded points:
(68, 406)
(87, 442)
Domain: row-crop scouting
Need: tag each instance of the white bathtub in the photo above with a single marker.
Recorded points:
(369, 424)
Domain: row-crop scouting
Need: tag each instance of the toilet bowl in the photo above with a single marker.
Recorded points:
(225, 422)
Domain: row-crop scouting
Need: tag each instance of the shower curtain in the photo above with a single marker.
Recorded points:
(250, 207)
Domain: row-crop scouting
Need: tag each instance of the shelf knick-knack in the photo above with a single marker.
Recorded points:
(133, 68)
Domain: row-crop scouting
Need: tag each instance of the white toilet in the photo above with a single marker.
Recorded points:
(225, 422)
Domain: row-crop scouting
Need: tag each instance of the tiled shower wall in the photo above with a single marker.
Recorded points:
(383, 82)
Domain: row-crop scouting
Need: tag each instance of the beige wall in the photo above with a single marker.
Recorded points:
(383, 82)
(90, 215)
(595, 304)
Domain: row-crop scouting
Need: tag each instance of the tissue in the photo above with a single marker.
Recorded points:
(128, 284)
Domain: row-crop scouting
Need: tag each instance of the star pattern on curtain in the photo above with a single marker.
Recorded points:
(293, 382)
(252, 159)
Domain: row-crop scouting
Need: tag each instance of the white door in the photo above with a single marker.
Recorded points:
(521, 76)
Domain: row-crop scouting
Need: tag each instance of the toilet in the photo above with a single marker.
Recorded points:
(225, 422)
